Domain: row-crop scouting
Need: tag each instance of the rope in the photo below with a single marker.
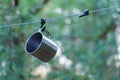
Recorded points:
(85, 13)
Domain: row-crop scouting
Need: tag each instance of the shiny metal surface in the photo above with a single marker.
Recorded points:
(41, 47)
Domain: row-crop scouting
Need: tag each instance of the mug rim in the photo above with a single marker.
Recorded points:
(37, 47)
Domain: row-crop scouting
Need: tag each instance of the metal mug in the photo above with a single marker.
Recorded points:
(41, 47)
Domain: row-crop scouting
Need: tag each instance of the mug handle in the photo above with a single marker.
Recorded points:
(43, 29)
(48, 34)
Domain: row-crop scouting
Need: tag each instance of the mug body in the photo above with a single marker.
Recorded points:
(41, 47)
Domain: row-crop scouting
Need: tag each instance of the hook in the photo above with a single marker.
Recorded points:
(43, 28)
(43, 21)
(85, 13)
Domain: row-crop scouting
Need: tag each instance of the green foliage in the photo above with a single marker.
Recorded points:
(87, 44)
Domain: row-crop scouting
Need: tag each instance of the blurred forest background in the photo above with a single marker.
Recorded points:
(89, 47)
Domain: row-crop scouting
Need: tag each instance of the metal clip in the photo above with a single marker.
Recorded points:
(85, 13)
(43, 28)
(43, 21)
